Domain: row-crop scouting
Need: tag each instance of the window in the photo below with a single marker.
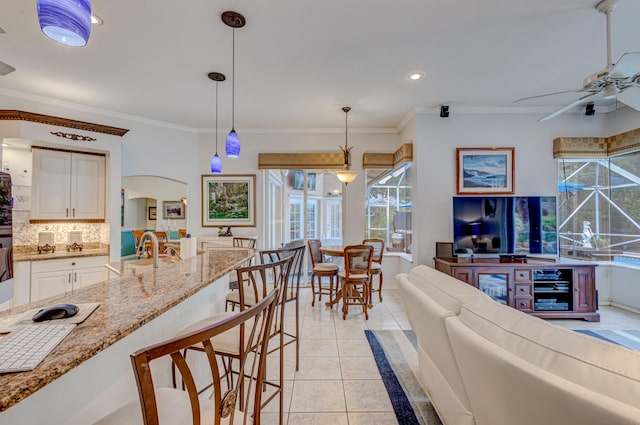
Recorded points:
(295, 221)
(389, 207)
(312, 229)
(599, 207)
(335, 221)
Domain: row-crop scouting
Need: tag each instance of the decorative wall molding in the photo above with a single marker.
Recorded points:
(597, 147)
(14, 115)
(72, 136)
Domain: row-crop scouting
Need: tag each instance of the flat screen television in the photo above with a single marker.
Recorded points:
(505, 225)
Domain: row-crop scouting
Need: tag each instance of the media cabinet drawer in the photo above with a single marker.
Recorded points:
(522, 289)
(522, 275)
(523, 303)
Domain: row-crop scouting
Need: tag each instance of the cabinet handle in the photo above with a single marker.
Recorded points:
(523, 304)
(69, 278)
(75, 277)
(73, 212)
(67, 212)
(577, 289)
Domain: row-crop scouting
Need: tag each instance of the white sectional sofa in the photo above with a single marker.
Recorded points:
(488, 364)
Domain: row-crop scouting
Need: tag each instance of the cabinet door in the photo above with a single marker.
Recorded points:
(89, 276)
(464, 274)
(87, 186)
(496, 282)
(51, 193)
(46, 284)
(584, 289)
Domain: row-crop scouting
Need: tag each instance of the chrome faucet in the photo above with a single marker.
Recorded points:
(154, 246)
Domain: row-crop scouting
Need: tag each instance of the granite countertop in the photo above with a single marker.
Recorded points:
(30, 253)
(126, 303)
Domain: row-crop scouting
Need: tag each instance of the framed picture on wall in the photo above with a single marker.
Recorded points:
(173, 210)
(485, 171)
(153, 213)
(228, 200)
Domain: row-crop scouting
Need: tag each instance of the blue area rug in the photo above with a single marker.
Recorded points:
(397, 360)
(629, 339)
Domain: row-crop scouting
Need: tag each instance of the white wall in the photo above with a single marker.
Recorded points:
(435, 156)
(247, 163)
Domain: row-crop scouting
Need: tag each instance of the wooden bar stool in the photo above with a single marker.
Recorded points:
(320, 270)
(376, 264)
(356, 278)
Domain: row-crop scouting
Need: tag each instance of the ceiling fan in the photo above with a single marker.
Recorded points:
(5, 68)
(620, 80)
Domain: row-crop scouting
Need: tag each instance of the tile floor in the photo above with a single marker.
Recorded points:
(338, 381)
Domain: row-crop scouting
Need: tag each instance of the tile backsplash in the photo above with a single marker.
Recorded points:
(27, 234)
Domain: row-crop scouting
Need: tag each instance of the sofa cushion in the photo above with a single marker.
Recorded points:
(446, 290)
(600, 366)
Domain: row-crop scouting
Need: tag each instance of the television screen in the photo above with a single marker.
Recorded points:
(505, 224)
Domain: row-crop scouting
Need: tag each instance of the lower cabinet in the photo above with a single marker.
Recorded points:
(543, 289)
(53, 277)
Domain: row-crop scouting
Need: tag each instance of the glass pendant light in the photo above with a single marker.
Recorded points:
(216, 162)
(232, 145)
(346, 175)
(65, 21)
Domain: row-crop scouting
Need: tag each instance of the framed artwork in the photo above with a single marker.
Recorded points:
(484, 171)
(153, 213)
(173, 210)
(228, 200)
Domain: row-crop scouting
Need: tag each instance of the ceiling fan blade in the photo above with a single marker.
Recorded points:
(5, 68)
(630, 97)
(565, 108)
(548, 94)
(628, 66)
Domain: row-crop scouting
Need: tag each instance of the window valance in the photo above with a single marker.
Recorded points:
(388, 161)
(597, 147)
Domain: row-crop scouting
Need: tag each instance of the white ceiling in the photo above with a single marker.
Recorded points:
(299, 61)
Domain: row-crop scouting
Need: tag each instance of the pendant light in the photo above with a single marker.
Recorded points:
(234, 20)
(65, 21)
(216, 162)
(346, 175)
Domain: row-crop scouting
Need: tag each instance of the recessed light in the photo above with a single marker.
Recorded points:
(96, 20)
(415, 75)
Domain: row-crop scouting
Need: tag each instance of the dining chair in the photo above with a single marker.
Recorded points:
(228, 403)
(182, 233)
(243, 242)
(262, 279)
(376, 264)
(137, 234)
(321, 269)
(293, 289)
(355, 278)
(163, 240)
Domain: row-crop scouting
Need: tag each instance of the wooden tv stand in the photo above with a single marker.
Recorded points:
(542, 288)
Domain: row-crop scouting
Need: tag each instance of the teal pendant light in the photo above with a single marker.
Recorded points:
(234, 20)
(216, 162)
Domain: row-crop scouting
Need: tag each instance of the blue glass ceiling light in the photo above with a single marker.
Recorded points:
(232, 146)
(234, 20)
(216, 162)
(65, 21)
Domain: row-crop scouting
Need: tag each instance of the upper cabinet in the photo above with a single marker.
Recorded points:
(67, 185)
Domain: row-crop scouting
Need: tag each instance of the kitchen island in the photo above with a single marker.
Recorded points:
(89, 373)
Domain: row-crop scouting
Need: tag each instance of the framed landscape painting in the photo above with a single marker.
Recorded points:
(173, 209)
(228, 200)
(484, 171)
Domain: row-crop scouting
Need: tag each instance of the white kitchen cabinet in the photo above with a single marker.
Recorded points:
(52, 277)
(67, 185)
